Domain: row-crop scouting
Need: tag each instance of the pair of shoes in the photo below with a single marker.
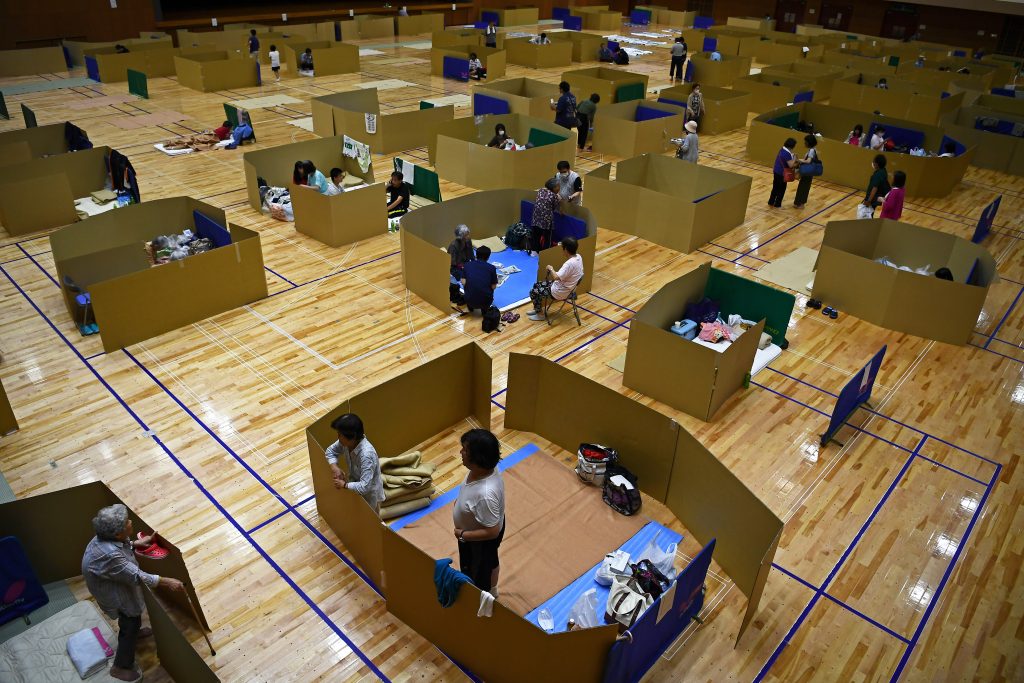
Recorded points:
(88, 329)
(231, 146)
(813, 303)
(535, 316)
(509, 317)
(830, 312)
(590, 148)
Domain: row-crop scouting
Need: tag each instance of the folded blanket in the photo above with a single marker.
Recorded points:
(393, 496)
(423, 470)
(407, 481)
(410, 459)
(404, 508)
(88, 651)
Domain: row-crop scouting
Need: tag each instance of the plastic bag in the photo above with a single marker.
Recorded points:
(606, 574)
(664, 560)
(865, 211)
(584, 611)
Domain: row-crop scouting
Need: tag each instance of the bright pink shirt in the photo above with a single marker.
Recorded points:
(892, 207)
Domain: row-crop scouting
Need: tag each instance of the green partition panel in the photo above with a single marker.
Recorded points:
(630, 91)
(790, 120)
(426, 105)
(231, 114)
(30, 117)
(3, 107)
(539, 137)
(753, 301)
(138, 84)
(894, 61)
(425, 183)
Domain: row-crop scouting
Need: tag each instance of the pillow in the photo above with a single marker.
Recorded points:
(351, 180)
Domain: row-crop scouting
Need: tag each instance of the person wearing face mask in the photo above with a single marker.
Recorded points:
(570, 184)
(500, 137)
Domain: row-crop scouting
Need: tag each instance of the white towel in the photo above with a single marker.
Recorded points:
(87, 653)
(486, 604)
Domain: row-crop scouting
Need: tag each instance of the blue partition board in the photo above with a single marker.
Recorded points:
(943, 95)
(665, 100)
(640, 17)
(19, 584)
(486, 17)
(1005, 92)
(563, 226)
(703, 22)
(337, 31)
(904, 137)
(688, 76)
(709, 44)
(972, 277)
(987, 219)
(805, 96)
(561, 602)
(485, 104)
(958, 148)
(613, 45)
(449, 496)
(857, 391)
(211, 229)
(92, 69)
(707, 196)
(455, 67)
(648, 114)
(526, 212)
(959, 53)
(480, 24)
(67, 56)
(572, 23)
(560, 13)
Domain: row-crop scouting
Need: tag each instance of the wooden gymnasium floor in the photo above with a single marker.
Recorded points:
(902, 551)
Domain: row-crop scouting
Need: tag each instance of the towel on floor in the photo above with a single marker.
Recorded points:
(448, 582)
(404, 508)
(409, 481)
(88, 651)
(410, 459)
(393, 496)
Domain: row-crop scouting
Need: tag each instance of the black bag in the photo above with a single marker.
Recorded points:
(517, 236)
(491, 319)
(623, 499)
(455, 294)
(650, 578)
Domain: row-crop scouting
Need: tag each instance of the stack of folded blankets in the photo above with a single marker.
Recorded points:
(408, 484)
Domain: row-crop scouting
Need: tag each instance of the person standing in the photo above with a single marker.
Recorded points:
(803, 188)
(689, 149)
(695, 105)
(678, 59)
(112, 575)
(585, 114)
(491, 35)
(275, 62)
(565, 107)
(254, 44)
(361, 460)
(570, 184)
(892, 206)
(479, 511)
(783, 160)
(544, 207)
(878, 185)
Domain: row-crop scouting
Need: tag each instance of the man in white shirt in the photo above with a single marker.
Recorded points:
(878, 139)
(558, 284)
(542, 39)
(361, 458)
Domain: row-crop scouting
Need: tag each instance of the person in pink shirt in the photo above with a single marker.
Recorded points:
(892, 207)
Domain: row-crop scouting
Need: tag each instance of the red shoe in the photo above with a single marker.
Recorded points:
(153, 551)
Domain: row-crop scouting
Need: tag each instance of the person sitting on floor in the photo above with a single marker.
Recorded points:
(557, 285)
(314, 178)
(604, 54)
(882, 84)
(223, 132)
(334, 185)
(542, 39)
(306, 60)
(716, 56)
(460, 251)
(121, 49)
(570, 184)
(361, 460)
(621, 57)
(500, 137)
(476, 67)
(398, 196)
(479, 280)
(878, 139)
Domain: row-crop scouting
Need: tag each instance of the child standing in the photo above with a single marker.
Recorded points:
(275, 62)
(892, 207)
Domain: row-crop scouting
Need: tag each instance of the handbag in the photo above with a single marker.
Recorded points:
(592, 461)
(620, 491)
(788, 174)
(815, 168)
(650, 578)
(626, 601)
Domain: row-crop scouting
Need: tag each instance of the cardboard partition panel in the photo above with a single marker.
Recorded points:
(456, 36)
(522, 52)
(757, 24)
(427, 232)
(598, 20)
(40, 194)
(524, 96)
(731, 42)
(675, 18)
(603, 80)
(851, 166)
(105, 256)
(417, 24)
(341, 219)
(584, 45)
(345, 113)
(679, 372)
(76, 48)
(367, 26)
(30, 61)
(858, 63)
(765, 94)
(493, 59)
(632, 128)
(213, 71)
(460, 153)
(922, 305)
(822, 75)
(676, 205)
(724, 109)
(8, 421)
(903, 99)
(329, 58)
(152, 59)
(277, 164)
(511, 16)
(35, 142)
(994, 145)
(720, 74)
(55, 553)
(784, 51)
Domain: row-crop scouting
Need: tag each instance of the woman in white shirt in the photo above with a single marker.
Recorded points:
(479, 512)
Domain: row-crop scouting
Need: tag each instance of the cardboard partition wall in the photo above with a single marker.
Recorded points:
(493, 59)
(922, 305)
(671, 465)
(765, 95)
(784, 51)
(757, 24)
(459, 152)
(595, 19)
(903, 99)
(724, 109)
(8, 421)
(40, 194)
(511, 16)
(719, 74)
(212, 71)
(30, 61)
(345, 113)
(522, 52)
(427, 232)
(1006, 105)
(76, 48)
(460, 36)
(277, 164)
(367, 26)
(32, 143)
(351, 216)
(55, 552)
(106, 257)
(608, 83)
(989, 132)
(669, 17)
(584, 45)
(418, 24)
(729, 41)
(946, 79)
(631, 128)
(822, 75)
(329, 57)
(851, 166)
(677, 205)
(858, 63)
(525, 96)
(151, 59)
(236, 41)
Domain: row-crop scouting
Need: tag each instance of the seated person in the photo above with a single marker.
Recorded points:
(223, 132)
(398, 196)
(334, 185)
(542, 39)
(120, 49)
(313, 178)
(460, 250)
(306, 60)
(948, 150)
(621, 57)
(476, 67)
(242, 132)
(856, 136)
(604, 54)
(557, 285)
(944, 274)
(878, 139)
(500, 137)
(882, 84)
(479, 280)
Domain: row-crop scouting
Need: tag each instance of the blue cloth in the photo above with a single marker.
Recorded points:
(781, 160)
(243, 132)
(480, 275)
(448, 582)
(516, 288)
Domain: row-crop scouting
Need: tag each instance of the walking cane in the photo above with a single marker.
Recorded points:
(188, 598)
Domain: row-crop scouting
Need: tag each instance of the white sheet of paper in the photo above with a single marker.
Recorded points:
(665, 606)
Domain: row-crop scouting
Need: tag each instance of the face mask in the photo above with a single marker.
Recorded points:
(501, 132)
(564, 176)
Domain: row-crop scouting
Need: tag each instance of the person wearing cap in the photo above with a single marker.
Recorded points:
(689, 148)
(112, 575)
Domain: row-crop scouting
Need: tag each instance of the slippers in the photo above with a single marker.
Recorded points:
(153, 550)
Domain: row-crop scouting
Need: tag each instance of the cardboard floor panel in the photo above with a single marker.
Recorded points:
(265, 101)
(303, 123)
(94, 102)
(792, 271)
(159, 118)
(386, 84)
(43, 86)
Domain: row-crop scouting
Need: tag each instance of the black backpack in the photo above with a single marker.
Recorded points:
(491, 319)
(517, 236)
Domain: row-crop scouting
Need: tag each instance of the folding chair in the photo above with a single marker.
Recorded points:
(571, 300)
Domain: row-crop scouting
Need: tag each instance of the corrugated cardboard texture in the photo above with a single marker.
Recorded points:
(212, 71)
(8, 422)
(345, 114)
(523, 53)
(30, 61)
(342, 218)
(584, 45)
(457, 36)
(903, 99)
(724, 109)
(525, 96)
(822, 75)
(603, 80)
(329, 58)
(16, 152)
(720, 74)
(765, 95)
(417, 24)
(493, 59)
(616, 132)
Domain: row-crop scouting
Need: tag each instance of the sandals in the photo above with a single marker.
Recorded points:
(153, 550)
(509, 317)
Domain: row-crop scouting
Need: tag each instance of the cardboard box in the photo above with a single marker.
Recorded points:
(427, 232)
(31, 61)
(131, 300)
(418, 24)
(525, 96)
(493, 59)
(631, 128)
(675, 204)
(345, 113)
(584, 45)
(329, 57)
(731, 42)
(32, 143)
(40, 194)
(151, 59)
(603, 80)
(922, 305)
(459, 152)
(765, 95)
(341, 219)
(724, 109)
(851, 166)
(213, 71)
(822, 75)
(719, 74)
(522, 52)
(675, 18)
(904, 99)
(457, 36)
(76, 48)
(277, 164)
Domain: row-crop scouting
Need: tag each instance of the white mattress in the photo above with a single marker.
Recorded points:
(40, 654)
(761, 359)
